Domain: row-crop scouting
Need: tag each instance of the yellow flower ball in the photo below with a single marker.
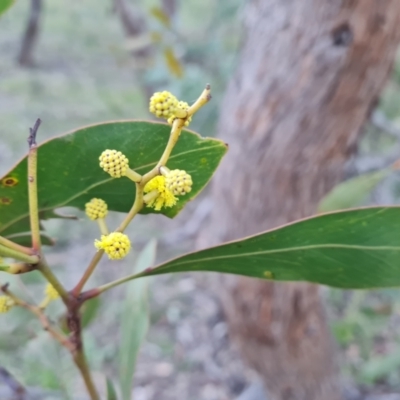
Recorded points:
(164, 198)
(163, 104)
(114, 163)
(116, 245)
(96, 208)
(183, 106)
(179, 182)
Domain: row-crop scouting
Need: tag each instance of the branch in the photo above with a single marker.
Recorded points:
(33, 133)
(74, 325)
(87, 274)
(47, 326)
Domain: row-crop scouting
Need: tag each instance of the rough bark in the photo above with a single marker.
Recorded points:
(309, 73)
(31, 35)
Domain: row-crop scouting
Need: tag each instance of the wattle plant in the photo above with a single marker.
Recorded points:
(145, 167)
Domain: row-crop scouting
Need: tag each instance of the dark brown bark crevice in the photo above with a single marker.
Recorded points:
(309, 74)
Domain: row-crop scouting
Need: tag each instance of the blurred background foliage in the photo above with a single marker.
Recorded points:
(92, 65)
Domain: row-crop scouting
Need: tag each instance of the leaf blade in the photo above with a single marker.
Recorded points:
(69, 174)
(347, 249)
(111, 393)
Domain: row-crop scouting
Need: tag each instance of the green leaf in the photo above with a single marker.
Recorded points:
(69, 172)
(111, 393)
(348, 249)
(135, 321)
(353, 192)
(5, 4)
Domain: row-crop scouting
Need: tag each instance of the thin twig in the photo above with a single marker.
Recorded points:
(137, 206)
(88, 273)
(33, 132)
(101, 289)
(47, 326)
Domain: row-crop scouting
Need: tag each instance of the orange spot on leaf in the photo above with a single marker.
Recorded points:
(5, 201)
(9, 181)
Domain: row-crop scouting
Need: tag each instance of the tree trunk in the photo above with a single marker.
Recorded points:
(309, 73)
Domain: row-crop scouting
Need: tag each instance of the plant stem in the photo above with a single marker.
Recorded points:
(52, 279)
(87, 274)
(32, 187)
(103, 226)
(74, 324)
(203, 99)
(176, 130)
(17, 268)
(101, 289)
(8, 243)
(7, 252)
(177, 126)
(133, 176)
(80, 362)
(137, 206)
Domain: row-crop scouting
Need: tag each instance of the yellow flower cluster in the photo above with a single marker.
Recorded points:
(50, 292)
(164, 198)
(179, 182)
(114, 163)
(163, 104)
(116, 245)
(182, 105)
(96, 208)
(6, 303)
